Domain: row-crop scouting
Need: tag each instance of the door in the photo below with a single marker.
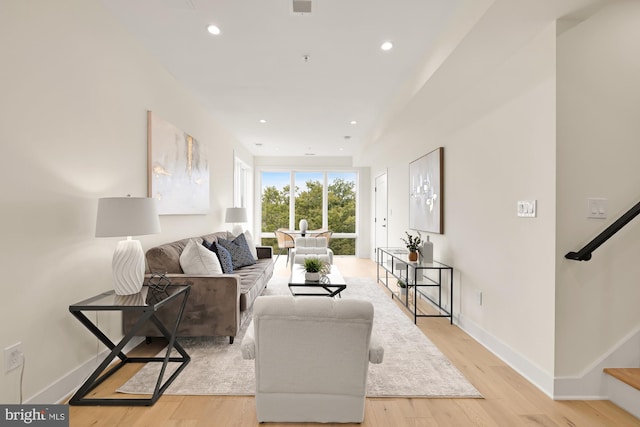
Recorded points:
(381, 212)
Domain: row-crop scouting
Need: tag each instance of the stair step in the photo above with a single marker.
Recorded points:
(629, 376)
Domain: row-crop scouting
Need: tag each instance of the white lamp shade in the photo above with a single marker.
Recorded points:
(127, 216)
(236, 215)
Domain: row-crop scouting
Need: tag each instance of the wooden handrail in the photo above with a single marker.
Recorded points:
(584, 254)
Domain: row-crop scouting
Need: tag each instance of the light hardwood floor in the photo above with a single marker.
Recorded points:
(509, 399)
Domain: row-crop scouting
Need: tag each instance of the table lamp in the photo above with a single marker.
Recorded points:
(236, 216)
(127, 216)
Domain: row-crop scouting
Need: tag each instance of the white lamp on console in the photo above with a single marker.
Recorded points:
(127, 216)
(236, 216)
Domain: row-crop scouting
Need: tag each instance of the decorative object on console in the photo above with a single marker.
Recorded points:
(425, 192)
(304, 226)
(315, 268)
(159, 281)
(426, 251)
(413, 244)
(178, 169)
(127, 216)
(403, 287)
(236, 216)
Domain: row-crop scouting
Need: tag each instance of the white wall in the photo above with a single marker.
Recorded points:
(598, 152)
(491, 105)
(75, 89)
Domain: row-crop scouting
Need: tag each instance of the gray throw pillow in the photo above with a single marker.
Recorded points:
(239, 249)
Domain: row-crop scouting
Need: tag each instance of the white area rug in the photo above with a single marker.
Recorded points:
(412, 366)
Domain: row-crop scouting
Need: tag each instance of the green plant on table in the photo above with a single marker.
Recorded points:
(413, 243)
(316, 265)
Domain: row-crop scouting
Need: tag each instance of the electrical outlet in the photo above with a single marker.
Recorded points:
(13, 357)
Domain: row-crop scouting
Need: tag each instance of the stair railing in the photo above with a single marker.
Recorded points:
(584, 254)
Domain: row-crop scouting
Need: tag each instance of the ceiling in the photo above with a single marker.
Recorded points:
(308, 75)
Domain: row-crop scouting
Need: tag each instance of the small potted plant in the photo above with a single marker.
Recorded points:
(413, 244)
(314, 268)
(403, 287)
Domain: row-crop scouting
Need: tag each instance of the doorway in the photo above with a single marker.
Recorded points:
(380, 219)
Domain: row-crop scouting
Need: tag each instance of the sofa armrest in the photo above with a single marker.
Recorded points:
(376, 351)
(264, 252)
(248, 346)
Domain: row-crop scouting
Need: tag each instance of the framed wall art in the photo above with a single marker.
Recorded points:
(425, 192)
(178, 169)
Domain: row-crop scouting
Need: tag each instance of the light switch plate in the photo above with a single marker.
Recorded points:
(527, 208)
(597, 208)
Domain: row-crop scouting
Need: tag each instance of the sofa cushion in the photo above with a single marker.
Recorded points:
(166, 258)
(196, 259)
(253, 280)
(240, 254)
(252, 246)
(223, 256)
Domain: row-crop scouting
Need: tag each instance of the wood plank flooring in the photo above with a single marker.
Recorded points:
(509, 400)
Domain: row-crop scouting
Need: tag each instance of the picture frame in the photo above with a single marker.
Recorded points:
(426, 201)
(178, 169)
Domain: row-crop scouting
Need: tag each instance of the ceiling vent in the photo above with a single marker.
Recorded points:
(301, 6)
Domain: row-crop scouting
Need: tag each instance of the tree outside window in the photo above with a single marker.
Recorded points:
(334, 209)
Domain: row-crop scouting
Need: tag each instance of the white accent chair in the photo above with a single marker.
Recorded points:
(311, 358)
(317, 247)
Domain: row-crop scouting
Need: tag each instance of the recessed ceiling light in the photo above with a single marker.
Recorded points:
(213, 29)
(353, 122)
(263, 121)
(386, 46)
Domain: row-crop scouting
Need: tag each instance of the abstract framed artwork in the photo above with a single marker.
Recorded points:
(178, 169)
(425, 192)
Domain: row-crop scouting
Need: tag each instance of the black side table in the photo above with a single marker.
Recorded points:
(147, 303)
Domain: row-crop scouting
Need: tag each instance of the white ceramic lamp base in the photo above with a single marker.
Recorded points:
(128, 267)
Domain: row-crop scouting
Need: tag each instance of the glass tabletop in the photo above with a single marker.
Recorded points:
(401, 255)
(147, 299)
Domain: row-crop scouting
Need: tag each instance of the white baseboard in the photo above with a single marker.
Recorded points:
(62, 389)
(533, 373)
(591, 383)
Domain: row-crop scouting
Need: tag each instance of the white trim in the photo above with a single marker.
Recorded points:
(591, 382)
(529, 370)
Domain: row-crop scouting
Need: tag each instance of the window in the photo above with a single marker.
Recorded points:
(308, 199)
(325, 199)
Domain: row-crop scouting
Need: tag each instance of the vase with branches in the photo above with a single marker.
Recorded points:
(413, 244)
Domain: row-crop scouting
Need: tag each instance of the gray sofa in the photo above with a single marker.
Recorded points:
(218, 304)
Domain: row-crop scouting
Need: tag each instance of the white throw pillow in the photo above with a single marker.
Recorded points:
(196, 259)
(252, 245)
